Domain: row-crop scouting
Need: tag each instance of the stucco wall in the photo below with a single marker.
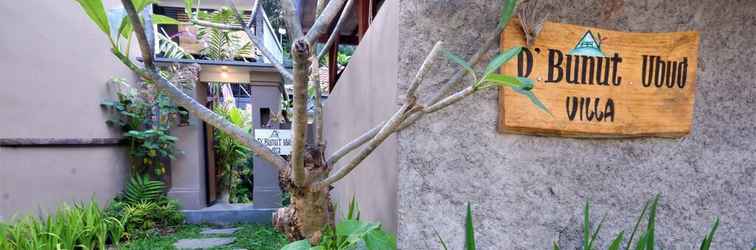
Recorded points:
(528, 191)
(54, 68)
(364, 96)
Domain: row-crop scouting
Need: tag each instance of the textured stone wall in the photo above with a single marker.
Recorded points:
(528, 191)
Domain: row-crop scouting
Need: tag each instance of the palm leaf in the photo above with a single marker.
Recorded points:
(142, 189)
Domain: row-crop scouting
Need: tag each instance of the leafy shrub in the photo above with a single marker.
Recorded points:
(82, 226)
(231, 156)
(350, 233)
(145, 115)
(144, 209)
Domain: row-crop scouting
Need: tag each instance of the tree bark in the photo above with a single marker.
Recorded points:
(311, 208)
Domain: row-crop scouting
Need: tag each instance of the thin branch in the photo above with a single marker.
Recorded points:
(182, 99)
(492, 42)
(301, 53)
(355, 143)
(324, 20)
(411, 96)
(337, 29)
(315, 82)
(393, 123)
(387, 129)
(252, 14)
(448, 86)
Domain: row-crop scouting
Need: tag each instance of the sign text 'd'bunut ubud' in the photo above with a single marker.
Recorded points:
(601, 83)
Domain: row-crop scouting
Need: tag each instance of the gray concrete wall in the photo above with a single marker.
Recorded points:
(364, 96)
(54, 64)
(528, 191)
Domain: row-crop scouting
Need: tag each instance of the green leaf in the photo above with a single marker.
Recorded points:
(650, 227)
(504, 80)
(354, 227)
(506, 12)
(586, 225)
(706, 243)
(188, 6)
(298, 245)
(635, 228)
(642, 242)
(469, 230)
(501, 59)
(379, 240)
(96, 12)
(556, 246)
(352, 208)
(617, 241)
(139, 5)
(160, 19)
(533, 99)
(595, 233)
(458, 60)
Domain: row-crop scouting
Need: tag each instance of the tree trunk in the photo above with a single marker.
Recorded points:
(311, 208)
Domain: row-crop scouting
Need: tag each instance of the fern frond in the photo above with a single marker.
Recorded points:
(142, 189)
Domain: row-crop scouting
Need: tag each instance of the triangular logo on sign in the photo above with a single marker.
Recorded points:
(274, 134)
(588, 45)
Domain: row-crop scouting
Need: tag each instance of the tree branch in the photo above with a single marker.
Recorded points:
(324, 20)
(337, 29)
(144, 43)
(315, 82)
(376, 141)
(393, 123)
(410, 96)
(448, 86)
(300, 53)
(293, 24)
(182, 99)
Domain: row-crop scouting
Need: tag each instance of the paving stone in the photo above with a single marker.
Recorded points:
(203, 243)
(224, 231)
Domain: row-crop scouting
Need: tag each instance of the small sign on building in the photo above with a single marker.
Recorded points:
(276, 139)
(601, 83)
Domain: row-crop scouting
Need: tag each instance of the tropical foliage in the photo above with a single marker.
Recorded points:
(144, 209)
(145, 116)
(220, 44)
(81, 226)
(350, 233)
(231, 156)
(142, 189)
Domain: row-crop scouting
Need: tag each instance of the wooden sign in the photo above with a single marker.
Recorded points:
(601, 83)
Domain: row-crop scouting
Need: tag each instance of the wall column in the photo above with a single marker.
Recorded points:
(188, 169)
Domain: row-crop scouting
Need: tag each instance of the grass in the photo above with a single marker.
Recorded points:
(250, 236)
